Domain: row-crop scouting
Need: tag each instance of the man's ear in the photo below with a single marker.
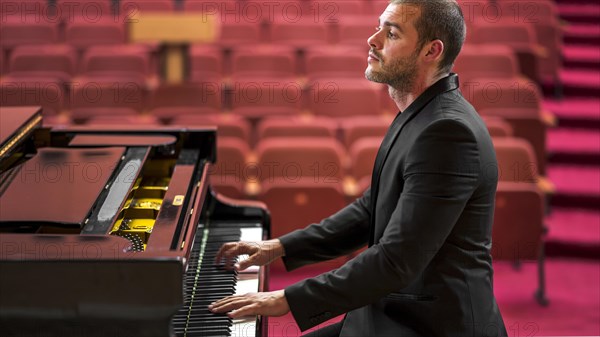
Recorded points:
(434, 51)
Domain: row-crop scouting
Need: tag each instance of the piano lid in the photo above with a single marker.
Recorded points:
(58, 185)
(16, 123)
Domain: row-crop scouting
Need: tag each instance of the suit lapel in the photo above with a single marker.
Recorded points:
(443, 85)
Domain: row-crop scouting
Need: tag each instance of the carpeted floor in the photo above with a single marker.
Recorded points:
(572, 288)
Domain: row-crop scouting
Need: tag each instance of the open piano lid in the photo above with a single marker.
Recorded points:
(57, 185)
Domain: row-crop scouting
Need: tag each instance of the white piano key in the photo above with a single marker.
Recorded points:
(246, 326)
(247, 283)
(250, 234)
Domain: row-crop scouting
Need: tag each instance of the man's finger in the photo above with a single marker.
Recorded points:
(233, 249)
(234, 304)
(248, 310)
(224, 300)
(246, 263)
(223, 250)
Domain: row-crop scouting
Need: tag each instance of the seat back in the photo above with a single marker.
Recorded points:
(293, 158)
(518, 222)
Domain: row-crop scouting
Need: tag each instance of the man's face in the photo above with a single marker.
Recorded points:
(393, 58)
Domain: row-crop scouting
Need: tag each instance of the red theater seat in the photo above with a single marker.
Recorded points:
(50, 95)
(519, 229)
(171, 100)
(28, 30)
(296, 204)
(498, 127)
(344, 97)
(518, 237)
(543, 17)
(296, 126)
(475, 11)
(55, 62)
(261, 97)
(355, 128)
(82, 33)
(206, 62)
(263, 61)
(303, 33)
(519, 36)
(236, 28)
(336, 10)
(336, 63)
(294, 157)
(362, 156)
(356, 32)
(232, 157)
(118, 63)
(516, 160)
(235, 34)
(495, 61)
(85, 10)
(518, 102)
(517, 163)
(132, 7)
(25, 8)
(228, 175)
(228, 187)
(228, 125)
(93, 98)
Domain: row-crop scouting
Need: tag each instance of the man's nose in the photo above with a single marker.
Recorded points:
(373, 41)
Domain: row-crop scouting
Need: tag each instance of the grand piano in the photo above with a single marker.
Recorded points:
(113, 232)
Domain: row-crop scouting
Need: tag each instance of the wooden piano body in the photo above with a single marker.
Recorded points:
(104, 232)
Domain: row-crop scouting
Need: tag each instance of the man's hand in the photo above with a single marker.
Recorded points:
(260, 253)
(271, 303)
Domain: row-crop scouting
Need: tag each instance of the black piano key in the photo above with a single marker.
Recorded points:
(205, 282)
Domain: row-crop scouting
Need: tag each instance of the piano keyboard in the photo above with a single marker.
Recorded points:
(206, 282)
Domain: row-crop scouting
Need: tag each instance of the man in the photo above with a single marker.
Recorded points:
(427, 216)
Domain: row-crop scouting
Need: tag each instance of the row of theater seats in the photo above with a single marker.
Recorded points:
(260, 95)
(257, 81)
(348, 144)
(515, 99)
(304, 173)
(530, 28)
(139, 63)
(300, 167)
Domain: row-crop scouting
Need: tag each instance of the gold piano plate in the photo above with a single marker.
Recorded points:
(144, 203)
(140, 227)
(156, 183)
(139, 213)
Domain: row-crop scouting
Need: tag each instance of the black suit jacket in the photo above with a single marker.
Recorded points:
(427, 218)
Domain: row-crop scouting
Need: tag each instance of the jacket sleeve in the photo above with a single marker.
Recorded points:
(337, 235)
(441, 172)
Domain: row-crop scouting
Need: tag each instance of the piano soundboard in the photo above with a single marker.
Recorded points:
(114, 231)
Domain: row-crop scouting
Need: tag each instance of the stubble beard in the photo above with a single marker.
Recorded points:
(400, 74)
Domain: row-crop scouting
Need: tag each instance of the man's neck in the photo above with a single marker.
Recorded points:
(404, 99)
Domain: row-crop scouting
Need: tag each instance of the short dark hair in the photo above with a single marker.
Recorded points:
(443, 20)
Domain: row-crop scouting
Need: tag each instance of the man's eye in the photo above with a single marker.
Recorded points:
(391, 35)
